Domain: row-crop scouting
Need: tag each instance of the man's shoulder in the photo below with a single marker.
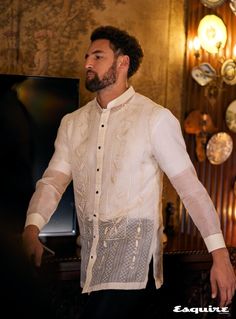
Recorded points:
(151, 110)
(79, 112)
(148, 104)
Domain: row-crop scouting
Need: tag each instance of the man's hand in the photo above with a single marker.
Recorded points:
(32, 245)
(223, 280)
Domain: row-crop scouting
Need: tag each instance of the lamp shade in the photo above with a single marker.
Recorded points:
(212, 33)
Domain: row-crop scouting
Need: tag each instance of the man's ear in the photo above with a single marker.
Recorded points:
(123, 61)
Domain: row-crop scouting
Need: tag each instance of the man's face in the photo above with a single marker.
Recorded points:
(100, 65)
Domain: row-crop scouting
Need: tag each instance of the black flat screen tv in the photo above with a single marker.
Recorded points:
(31, 108)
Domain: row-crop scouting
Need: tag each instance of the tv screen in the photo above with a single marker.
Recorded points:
(31, 110)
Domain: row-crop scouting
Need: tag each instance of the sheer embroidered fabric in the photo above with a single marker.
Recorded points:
(116, 158)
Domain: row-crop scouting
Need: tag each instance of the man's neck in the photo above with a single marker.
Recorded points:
(105, 96)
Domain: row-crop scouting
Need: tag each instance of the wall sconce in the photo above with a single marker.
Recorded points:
(212, 37)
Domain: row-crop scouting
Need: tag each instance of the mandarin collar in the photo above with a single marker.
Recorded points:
(123, 98)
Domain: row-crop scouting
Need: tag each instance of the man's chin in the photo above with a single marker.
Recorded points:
(91, 88)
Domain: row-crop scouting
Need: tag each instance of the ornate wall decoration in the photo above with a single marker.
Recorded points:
(42, 37)
(218, 179)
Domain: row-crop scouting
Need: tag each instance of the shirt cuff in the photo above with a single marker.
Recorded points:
(35, 219)
(214, 242)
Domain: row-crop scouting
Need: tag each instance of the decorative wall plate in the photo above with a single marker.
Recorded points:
(228, 72)
(232, 6)
(203, 73)
(230, 116)
(219, 148)
(212, 3)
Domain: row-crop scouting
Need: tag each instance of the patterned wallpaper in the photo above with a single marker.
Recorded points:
(44, 37)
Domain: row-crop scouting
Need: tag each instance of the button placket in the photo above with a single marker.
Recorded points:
(100, 152)
(98, 183)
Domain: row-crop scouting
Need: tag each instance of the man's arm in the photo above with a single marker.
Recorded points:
(170, 151)
(43, 203)
(49, 190)
(202, 211)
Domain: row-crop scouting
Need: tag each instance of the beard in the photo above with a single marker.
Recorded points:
(95, 84)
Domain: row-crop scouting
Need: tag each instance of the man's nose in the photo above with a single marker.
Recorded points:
(88, 64)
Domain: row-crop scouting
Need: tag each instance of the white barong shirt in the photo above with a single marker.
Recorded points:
(116, 158)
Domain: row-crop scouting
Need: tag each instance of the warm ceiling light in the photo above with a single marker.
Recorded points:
(212, 33)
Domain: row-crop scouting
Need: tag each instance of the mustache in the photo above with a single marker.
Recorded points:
(90, 72)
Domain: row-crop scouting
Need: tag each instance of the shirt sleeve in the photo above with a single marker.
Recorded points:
(56, 178)
(170, 151)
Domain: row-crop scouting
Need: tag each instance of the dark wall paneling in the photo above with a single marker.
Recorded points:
(218, 179)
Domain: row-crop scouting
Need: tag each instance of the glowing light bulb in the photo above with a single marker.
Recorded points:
(196, 44)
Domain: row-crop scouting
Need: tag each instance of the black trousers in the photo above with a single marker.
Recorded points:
(114, 304)
(148, 303)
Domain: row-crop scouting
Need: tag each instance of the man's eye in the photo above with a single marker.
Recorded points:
(98, 57)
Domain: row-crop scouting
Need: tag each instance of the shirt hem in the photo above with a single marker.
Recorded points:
(116, 286)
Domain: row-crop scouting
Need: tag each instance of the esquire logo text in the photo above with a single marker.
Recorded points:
(197, 310)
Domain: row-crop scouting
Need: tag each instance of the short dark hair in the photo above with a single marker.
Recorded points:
(121, 40)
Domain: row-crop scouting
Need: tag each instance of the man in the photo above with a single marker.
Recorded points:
(116, 149)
